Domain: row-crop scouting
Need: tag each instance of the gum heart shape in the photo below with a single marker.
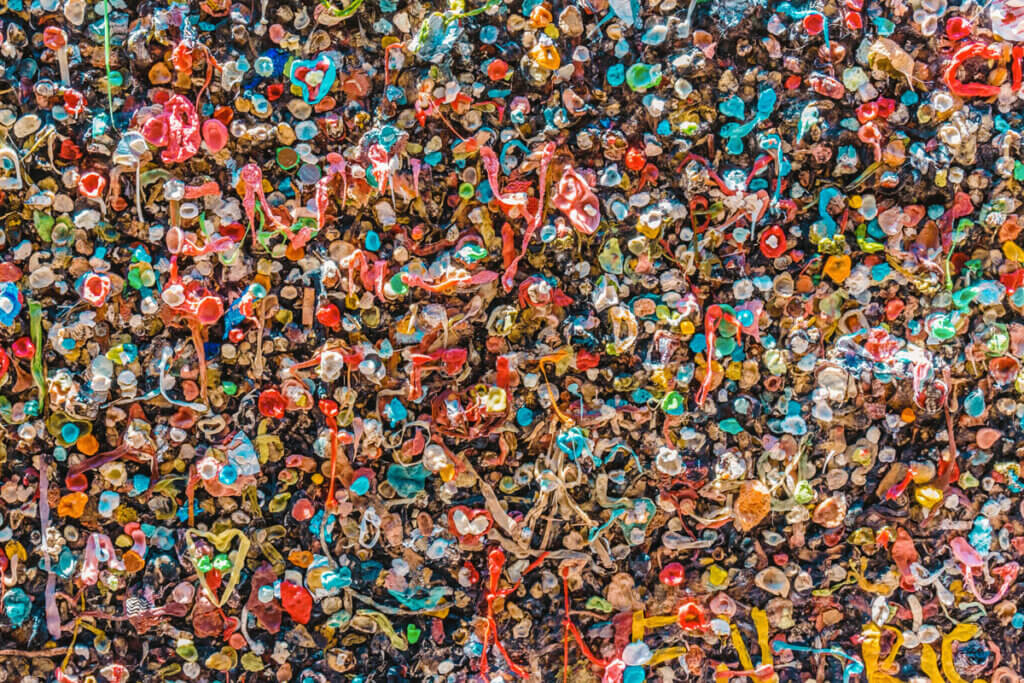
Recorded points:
(314, 77)
(469, 524)
(580, 205)
(413, 633)
(222, 542)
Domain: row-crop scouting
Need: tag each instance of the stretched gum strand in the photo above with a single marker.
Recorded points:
(49, 593)
(596, 531)
(865, 584)
(760, 618)
(252, 178)
(332, 424)
(871, 649)
(123, 450)
(572, 196)
(740, 646)
(106, 58)
(35, 310)
(134, 530)
(774, 143)
(495, 565)
(533, 222)
(1009, 573)
(491, 167)
(765, 671)
(616, 447)
(966, 52)
(12, 580)
(189, 308)
(712, 318)
(254, 645)
(930, 664)
(852, 668)
(961, 633)
(684, 28)
(641, 624)
(165, 361)
(666, 654)
(98, 548)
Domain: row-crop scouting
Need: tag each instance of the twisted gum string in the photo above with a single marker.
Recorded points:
(533, 221)
(123, 450)
(491, 166)
(196, 330)
(106, 57)
(98, 548)
(52, 613)
(853, 668)
(871, 646)
(190, 494)
(765, 671)
(961, 633)
(495, 565)
(930, 664)
(712, 318)
(252, 178)
(570, 628)
(344, 13)
(760, 618)
(741, 648)
(332, 423)
(35, 310)
(197, 341)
